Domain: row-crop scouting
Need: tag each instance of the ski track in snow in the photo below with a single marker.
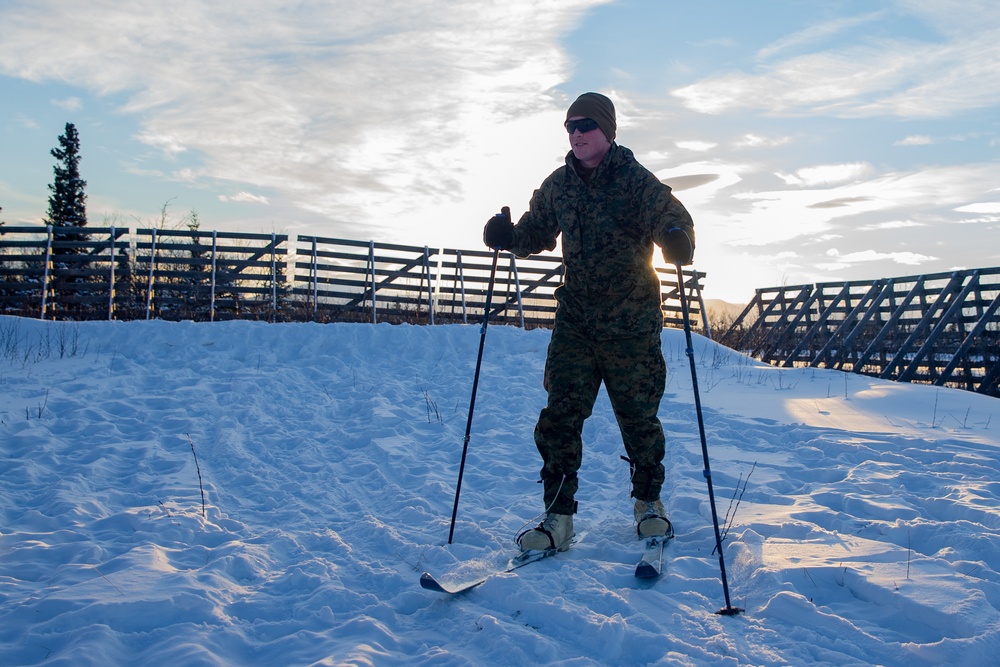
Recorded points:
(868, 533)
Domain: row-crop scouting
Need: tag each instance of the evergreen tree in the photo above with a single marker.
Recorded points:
(67, 204)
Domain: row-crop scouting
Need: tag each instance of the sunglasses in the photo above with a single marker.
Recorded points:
(584, 125)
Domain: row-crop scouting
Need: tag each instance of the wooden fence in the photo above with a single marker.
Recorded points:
(941, 329)
(368, 281)
(112, 273)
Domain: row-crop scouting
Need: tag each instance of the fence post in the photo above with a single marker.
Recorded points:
(461, 278)
(371, 276)
(274, 277)
(152, 268)
(48, 265)
(701, 305)
(111, 286)
(315, 280)
(430, 292)
(211, 303)
(517, 289)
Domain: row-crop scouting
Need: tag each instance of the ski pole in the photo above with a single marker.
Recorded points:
(728, 610)
(505, 211)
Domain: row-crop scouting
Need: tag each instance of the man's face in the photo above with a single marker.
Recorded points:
(588, 147)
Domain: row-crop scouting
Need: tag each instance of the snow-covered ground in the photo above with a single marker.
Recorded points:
(868, 531)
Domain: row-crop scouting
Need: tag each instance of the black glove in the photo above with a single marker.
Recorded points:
(678, 249)
(499, 232)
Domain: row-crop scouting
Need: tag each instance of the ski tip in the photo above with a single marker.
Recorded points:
(430, 583)
(645, 570)
(730, 611)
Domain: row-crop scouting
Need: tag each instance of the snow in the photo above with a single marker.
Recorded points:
(868, 531)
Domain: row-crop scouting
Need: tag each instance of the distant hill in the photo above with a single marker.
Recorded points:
(719, 309)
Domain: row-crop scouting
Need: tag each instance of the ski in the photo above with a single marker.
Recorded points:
(651, 563)
(429, 582)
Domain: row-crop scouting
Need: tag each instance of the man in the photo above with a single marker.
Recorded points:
(610, 210)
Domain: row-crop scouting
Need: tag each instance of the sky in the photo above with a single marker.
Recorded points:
(811, 142)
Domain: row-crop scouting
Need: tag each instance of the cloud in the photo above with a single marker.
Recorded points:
(757, 141)
(839, 202)
(701, 181)
(687, 182)
(244, 197)
(26, 122)
(981, 207)
(891, 224)
(752, 235)
(915, 140)
(69, 104)
(353, 110)
(827, 174)
(869, 74)
(925, 140)
(697, 146)
(908, 258)
(781, 216)
(809, 37)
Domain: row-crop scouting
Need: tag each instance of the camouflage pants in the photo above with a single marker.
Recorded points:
(634, 373)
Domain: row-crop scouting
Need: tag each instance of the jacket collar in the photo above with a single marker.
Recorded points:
(609, 157)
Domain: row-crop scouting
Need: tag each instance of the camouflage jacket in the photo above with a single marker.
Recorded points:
(608, 225)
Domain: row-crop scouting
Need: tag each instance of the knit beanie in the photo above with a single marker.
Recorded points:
(598, 108)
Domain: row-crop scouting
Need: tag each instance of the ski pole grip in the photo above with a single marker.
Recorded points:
(506, 213)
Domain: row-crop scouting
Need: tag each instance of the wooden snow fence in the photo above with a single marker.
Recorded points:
(86, 273)
(369, 281)
(116, 273)
(189, 274)
(941, 329)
